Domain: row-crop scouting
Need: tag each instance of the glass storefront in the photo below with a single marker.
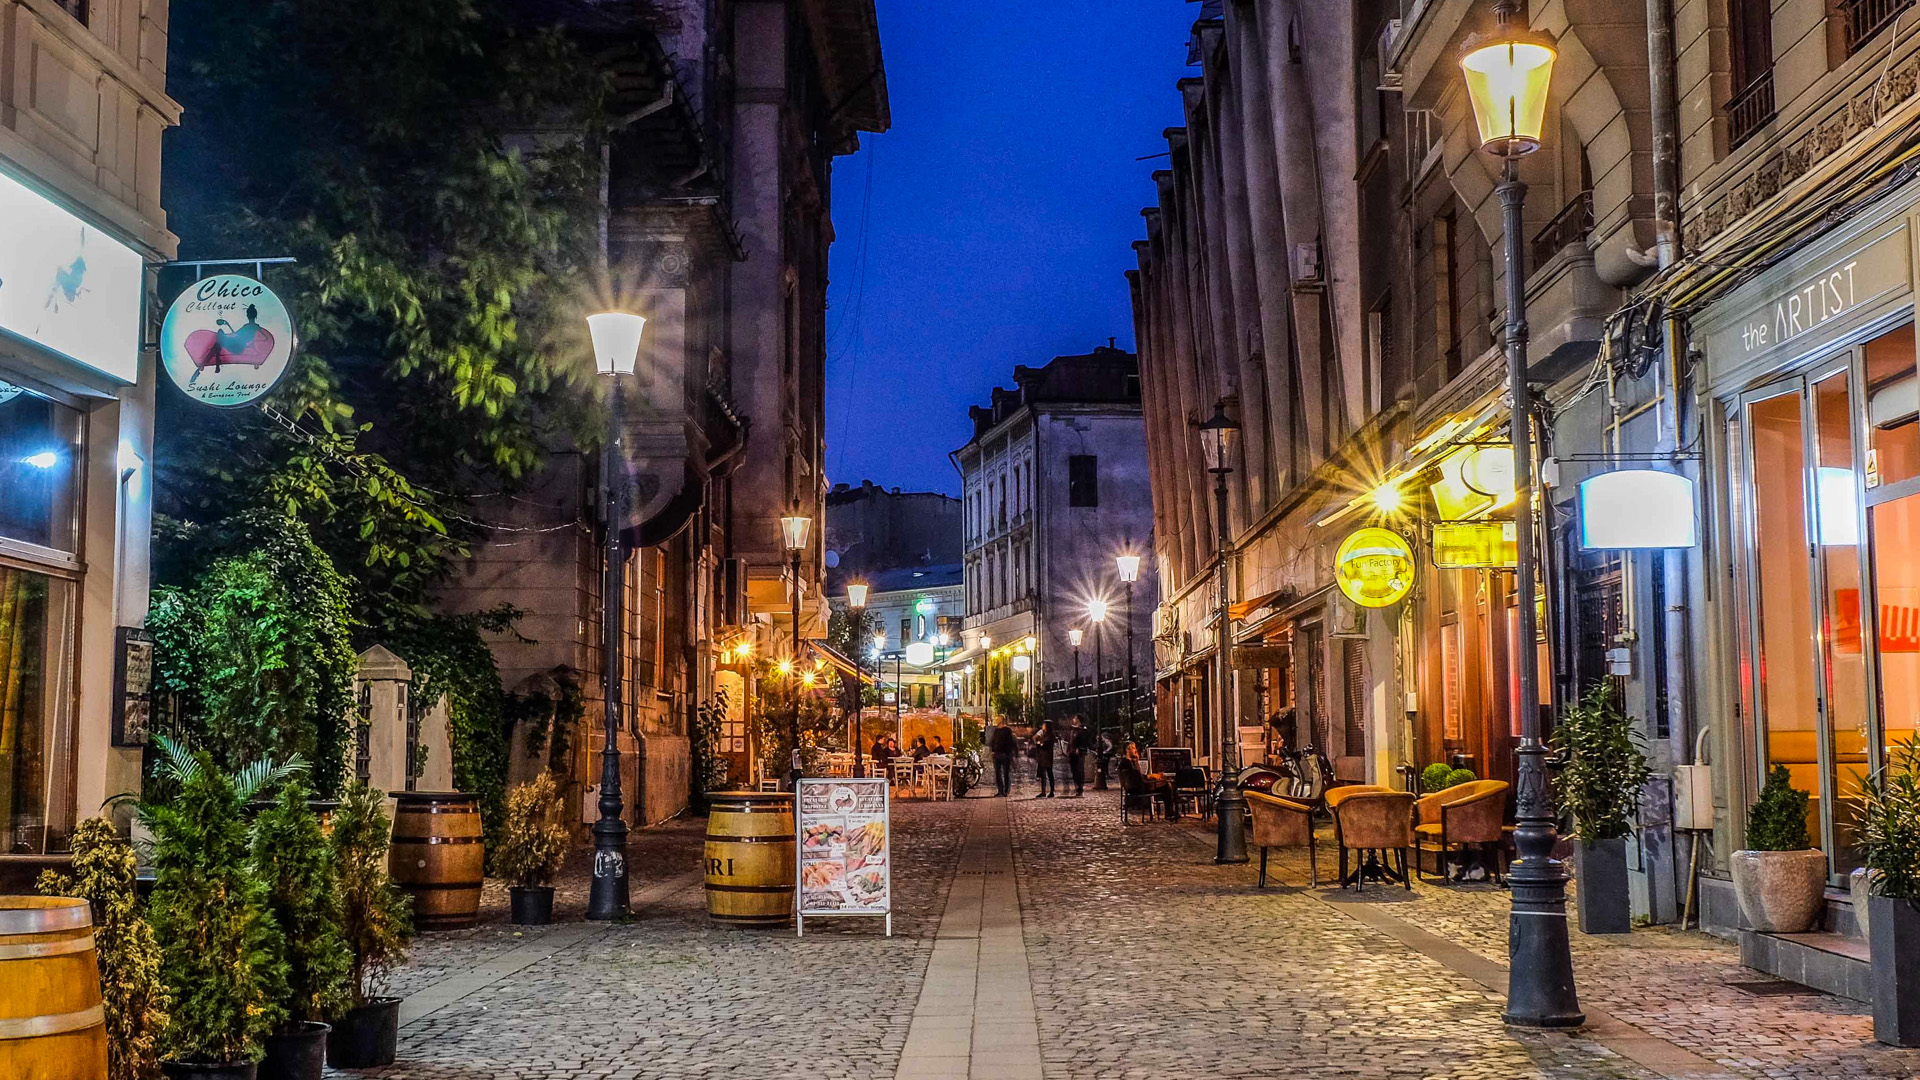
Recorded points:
(1826, 468)
(39, 528)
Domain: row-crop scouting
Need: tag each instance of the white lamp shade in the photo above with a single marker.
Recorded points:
(857, 595)
(616, 341)
(1022, 662)
(1129, 567)
(794, 530)
(920, 653)
(1507, 83)
(1637, 508)
(1075, 636)
(1097, 610)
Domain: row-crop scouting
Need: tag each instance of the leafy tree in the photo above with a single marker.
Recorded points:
(258, 648)
(376, 917)
(1778, 820)
(444, 261)
(1600, 783)
(292, 857)
(136, 1002)
(220, 952)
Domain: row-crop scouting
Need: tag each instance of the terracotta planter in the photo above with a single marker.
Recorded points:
(1896, 970)
(1780, 892)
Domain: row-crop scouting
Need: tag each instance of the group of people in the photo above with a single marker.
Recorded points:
(1076, 740)
(886, 748)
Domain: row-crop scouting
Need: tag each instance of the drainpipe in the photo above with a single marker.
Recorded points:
(1666, 217)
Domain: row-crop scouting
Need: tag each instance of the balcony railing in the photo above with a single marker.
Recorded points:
(1570, 226)
(1751, 108)
(1866, 18)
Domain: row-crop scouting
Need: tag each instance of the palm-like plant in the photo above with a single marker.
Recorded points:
(1890, 823)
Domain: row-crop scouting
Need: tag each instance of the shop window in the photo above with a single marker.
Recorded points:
(1451, 647)
(1896, 571)
(36, 721)
(1836, 535)
(1893, 407)
(39, 470)
(1354, 660)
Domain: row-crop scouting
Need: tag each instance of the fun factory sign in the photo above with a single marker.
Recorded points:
(1374, 567)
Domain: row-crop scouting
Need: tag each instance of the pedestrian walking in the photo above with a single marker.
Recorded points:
(1042, 752)
(1000, 741)
(1079, 740)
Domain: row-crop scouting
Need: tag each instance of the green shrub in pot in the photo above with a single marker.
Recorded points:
(376, 921)
(136, 1003)
(293, 859)
(533, 844)
(1780, 878)
(1889, 832)
(220, 952)
(1599, 786)
(1434, 777)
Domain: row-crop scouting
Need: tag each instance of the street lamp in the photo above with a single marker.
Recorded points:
(1507, 73)
(1129, 567)
(616, 349)
(1097, 612)
(1074, 637)
(1229, 807)
(857, 609)
(793, 532)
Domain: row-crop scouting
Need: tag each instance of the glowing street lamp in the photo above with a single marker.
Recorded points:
(1129, 568)
(1229, 808)
(794, 529)
(857, 606)
(1507, 74)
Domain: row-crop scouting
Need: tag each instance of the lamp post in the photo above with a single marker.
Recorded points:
(793, 531)
(857, 608)
(1097, 612)
(616, 348)
(1507, 73)
(1129, 566)
(1074, 637)
(1229, 806)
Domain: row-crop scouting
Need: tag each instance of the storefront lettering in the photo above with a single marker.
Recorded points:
(1802, 310)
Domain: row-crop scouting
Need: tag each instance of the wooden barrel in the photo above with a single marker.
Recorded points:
(51, 1023)
(438, 857)
(749, 857)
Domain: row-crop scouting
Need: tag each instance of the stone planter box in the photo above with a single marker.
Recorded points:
(1894, 933)
(1780, 892)
(1600, 887)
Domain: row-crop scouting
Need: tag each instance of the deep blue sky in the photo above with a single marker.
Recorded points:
(999, 217)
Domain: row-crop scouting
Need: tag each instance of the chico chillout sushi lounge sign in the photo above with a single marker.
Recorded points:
(226, 341)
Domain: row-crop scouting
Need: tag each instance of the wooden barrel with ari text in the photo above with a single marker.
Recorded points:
(438, 857)
(52, 1024)
(749, 857)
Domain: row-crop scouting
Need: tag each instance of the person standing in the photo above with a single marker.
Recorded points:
(1043, 758)
(1078, 740)
(1000, 741)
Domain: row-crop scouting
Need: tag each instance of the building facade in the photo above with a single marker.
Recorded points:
(1719, 285)
(718, 220)
(83, 104)
(1055, 487)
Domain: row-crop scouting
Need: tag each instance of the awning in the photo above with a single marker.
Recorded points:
(1245, 608)
(956, 661)
(838, 660)
(1459, 430)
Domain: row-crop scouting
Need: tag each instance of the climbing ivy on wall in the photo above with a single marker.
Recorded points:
(449, 656)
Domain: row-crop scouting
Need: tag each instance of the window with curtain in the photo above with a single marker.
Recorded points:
(36, 718)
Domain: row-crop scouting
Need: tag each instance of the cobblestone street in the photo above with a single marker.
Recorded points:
(1041, 939)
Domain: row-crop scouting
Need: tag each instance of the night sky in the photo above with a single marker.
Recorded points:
(992, 225)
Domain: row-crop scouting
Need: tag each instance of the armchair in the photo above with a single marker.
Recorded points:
(1368, 818)
(1473, 813)
(1282, 823)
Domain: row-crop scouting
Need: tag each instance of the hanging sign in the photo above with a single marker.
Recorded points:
(1374, 567)
(1463, 545)
(227, 340)
(1631, 509)
(846, 848)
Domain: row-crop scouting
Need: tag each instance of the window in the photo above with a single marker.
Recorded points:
(906, 630)
(1083, 480)
(1750, 36)
(39, 470)
(75, 8)
(36, 719)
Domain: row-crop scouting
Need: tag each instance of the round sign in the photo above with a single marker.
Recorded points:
(8, 392)
(1374, 567)
(226, 341)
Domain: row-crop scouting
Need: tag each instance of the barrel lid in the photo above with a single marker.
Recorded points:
(435, 796)
(41, 914)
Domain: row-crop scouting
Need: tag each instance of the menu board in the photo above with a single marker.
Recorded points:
(846, 846)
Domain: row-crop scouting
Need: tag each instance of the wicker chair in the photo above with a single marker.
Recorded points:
(1370, 818)
(1472, 813)
(1283, 823)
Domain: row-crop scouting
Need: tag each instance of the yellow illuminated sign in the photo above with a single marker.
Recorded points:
(1463, 545)
(1374, 567)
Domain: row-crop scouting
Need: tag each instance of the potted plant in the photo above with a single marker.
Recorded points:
(135, 1001)
(1599, 786)
(375, 920)
(292, 857)
(1779, 878)
(1434, 777)
(1890, 839)
(220, 953)
(533, 844)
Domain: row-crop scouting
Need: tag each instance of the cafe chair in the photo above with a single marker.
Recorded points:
(1192, 784)
(1136, 794)
(1462, 816)
(1283, 823)
(1369, 819)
